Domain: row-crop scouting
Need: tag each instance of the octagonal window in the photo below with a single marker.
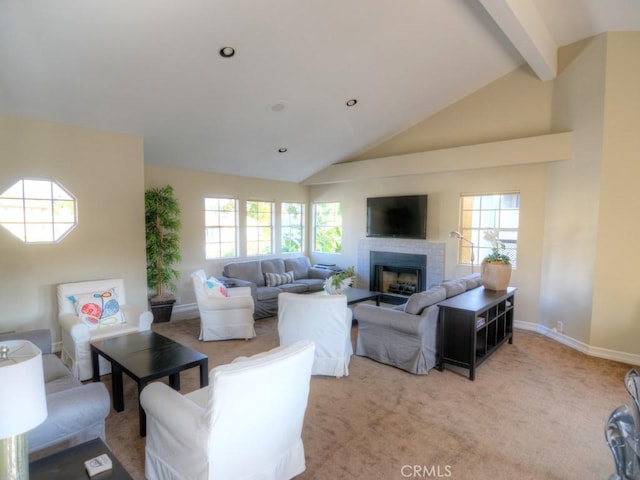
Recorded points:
(38, 211)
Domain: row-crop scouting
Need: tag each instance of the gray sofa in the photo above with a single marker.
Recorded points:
(405, 336)
(254, 274)
(76, 413)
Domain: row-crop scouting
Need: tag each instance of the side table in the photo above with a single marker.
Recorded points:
(69, 464)
(473, 325)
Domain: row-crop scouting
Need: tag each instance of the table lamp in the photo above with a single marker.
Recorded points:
(458, 235)
(23, 405)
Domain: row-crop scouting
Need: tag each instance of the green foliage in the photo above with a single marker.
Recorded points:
(328, 227)
(162, 218)
(337, 278)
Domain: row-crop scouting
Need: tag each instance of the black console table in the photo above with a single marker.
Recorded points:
(473, 325)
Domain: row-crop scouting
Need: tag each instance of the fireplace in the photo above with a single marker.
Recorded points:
(397, 274)
(400, 259)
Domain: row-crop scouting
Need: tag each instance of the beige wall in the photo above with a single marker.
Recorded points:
(105, 173)
(191, 187)
(517, 105)
(616, 301)
(573, 192)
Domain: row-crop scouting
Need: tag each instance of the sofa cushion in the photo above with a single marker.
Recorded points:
(277, 279)
(214, 288)
(472, 281)
(294, 288)
(248, 271)
(455, 287)
(268, 293)
(419, 301)
(273, 265)
(299, 266)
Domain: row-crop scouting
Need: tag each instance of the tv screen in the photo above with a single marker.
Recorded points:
(399, 217)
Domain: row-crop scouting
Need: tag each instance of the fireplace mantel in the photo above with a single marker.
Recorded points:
(433, 250)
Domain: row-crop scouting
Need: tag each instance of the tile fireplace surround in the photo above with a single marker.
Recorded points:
(433, 250)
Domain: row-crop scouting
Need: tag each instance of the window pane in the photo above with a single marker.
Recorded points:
(479, 213)
(259, 228)
(37, 210)
(221, 227)
(328, 227)
(292, 228)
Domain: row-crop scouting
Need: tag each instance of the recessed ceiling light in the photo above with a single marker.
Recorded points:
(352, 102)
(282, 150)
(227, 52)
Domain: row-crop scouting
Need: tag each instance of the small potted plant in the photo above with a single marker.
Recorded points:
(496, 267)
(162, 216)
(339, 282)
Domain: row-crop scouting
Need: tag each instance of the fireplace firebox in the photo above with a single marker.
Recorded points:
(397, 275)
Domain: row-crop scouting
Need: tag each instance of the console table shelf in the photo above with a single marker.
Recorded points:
(473, 325)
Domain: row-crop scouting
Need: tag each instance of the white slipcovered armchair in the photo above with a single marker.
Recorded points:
(324, 319)
(78, 330)
(223, 318)
(246, 424)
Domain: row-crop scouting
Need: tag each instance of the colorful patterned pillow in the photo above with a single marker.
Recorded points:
(215, 288)
(98, 309)
(275, 279)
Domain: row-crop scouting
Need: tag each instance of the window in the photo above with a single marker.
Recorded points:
(327, 221)
(259, 228)
(221, 227)
(292, 227)
(479, 213)
(38, 211)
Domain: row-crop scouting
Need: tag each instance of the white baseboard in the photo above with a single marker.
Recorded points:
(184, 312)
(629, 358)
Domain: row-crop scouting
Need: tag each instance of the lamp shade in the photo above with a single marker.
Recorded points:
(23, 403)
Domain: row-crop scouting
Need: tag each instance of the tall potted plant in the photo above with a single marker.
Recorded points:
(496, 267)
(162, 216)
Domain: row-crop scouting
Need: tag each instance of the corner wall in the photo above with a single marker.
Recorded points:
(105, 173)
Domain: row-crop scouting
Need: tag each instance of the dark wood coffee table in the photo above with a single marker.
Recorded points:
(69, 464)
(145, 356)
(357, 295)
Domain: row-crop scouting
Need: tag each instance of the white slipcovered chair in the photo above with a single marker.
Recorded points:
(246, 424)
(223, 318)
(324, 319)
(77, 332)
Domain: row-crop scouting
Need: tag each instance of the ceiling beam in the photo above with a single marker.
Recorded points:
(523, 25)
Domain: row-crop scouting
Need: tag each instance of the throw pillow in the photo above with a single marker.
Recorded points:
(215, 288)
(98, 309)
(275, 279)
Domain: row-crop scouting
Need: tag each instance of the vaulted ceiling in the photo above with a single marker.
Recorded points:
(153, 68)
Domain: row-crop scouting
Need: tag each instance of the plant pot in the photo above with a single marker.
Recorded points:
(495, 276)
(161, 308)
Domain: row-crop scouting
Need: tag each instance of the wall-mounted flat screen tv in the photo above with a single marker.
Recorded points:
(398, 217)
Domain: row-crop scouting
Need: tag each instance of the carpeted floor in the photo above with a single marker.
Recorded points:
(536, 410)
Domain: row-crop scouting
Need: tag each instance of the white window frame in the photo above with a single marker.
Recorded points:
(37, 210)
(335, 224)
(260, 233)
(489, 211)
(289, 225)
(221, 228)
